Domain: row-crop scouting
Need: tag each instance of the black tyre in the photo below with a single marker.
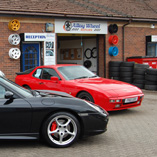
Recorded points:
(27, 87)
(94, 52)
(115, 63)
(142, 77)
(88, 53)
(150, 82)
(126, 69)
(151, 77)
(139, 81)
(151, 87)
(151, 71)
(126, 74)
(139, 71)
(115, 78)
(61, 129)
(139, 85)
(85, 96)
(87, 64)
(127, 64)
(116, 69)
(127, 79)
(114, 74)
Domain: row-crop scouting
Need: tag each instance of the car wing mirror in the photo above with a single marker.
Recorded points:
(8, 95)
(54, 79)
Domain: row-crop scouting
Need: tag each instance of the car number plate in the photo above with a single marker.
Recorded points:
(129, 100)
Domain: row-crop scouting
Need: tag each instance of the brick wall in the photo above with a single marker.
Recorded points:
(135, 44)
(27, 25)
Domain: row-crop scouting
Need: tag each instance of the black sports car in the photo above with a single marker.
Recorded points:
(57, 117)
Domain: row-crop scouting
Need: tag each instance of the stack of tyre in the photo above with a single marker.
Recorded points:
(139, 75)
(126, 71)
(114, 68)
(151, 79)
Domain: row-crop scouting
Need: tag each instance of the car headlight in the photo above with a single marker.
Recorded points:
(97, 108)
(115, 100)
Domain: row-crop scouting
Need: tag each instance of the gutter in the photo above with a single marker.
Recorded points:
(123, 39)
(95, 17)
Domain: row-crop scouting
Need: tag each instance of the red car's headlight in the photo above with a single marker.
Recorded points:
(115, 100)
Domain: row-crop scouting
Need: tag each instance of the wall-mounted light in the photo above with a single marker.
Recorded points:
(152, 26)
(49, 27)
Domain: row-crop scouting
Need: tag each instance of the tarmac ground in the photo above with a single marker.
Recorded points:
(131, 133)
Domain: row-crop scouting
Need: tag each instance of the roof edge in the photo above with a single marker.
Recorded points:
(95, 17)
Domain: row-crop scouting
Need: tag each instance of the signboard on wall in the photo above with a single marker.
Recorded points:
(80, 26)
(71, 54)
(154, 38)
(49, 55)
(49, 45)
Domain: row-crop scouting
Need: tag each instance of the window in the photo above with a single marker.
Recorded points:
(48, 73)
(16, 88)
(37, 73)
(152, 49)
(75, 72)
(45, 73)
(2, 92)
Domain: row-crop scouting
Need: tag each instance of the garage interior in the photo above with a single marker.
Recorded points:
(77, 49)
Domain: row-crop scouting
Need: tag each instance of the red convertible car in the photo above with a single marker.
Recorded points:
(82, 83)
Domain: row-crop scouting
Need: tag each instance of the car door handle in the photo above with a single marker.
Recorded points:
(41, 82)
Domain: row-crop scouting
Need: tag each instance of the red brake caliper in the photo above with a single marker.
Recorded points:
(53, 126)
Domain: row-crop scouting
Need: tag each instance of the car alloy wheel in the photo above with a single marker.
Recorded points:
(61, 129)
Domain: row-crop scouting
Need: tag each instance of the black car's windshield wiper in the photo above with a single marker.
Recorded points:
(93, 76)
(81, 77)
(35, 93)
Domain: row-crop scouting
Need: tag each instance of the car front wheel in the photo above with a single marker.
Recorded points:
(85, 96)
(61, 129)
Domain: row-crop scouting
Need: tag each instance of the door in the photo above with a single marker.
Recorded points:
(30, 55)
(43, 79)
(15, 114)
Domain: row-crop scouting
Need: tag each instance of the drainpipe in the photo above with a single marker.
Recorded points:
(123, 40)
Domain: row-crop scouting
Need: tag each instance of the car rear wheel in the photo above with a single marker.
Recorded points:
(27, 87)
(61, 129)
(85, 96)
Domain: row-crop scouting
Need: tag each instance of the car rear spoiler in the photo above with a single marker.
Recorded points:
(25, 72)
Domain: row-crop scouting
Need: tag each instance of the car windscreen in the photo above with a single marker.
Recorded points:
(16, 88)
(75, 72)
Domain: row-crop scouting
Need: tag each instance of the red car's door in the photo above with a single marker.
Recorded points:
(45, 82)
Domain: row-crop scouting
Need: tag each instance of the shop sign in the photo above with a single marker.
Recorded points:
(38, 36)
(154, 38)
(83, 27)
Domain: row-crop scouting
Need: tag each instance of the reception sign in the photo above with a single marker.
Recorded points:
(49, 45)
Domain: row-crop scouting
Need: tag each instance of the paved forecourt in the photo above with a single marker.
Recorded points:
(131, 133)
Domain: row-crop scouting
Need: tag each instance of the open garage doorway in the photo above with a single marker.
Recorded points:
(77, 49)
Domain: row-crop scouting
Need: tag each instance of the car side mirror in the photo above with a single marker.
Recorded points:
(54, 79)
(9, 95)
